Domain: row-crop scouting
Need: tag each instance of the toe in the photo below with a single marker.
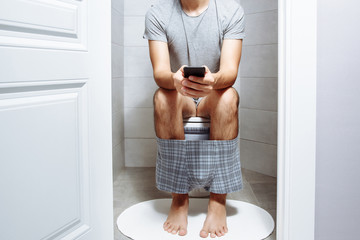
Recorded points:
(170, 228)
(226, 229)
(212, 235)
(175, 230)
(182, 232)
(204, 234)
(219, 233)
(166, 226)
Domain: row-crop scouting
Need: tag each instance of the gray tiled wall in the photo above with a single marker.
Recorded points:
(258, 105)
(117, 66)
(257, 87)
(139, 87)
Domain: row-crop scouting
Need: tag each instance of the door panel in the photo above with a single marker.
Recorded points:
(46, 172)
(52, 24)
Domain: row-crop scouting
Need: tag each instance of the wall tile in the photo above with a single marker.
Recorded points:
(137, 7)
(259, 157)
(117, 128)
(253, 6)
(117, 60)
(118, 5)
(134, 30)
(139, 92)
(117, 27)
(258, 125)
(259, 93)
(261, 28)
(139, 123)
(137, 62)
(118, 159)
(237, 84)
(140, 152)
(259, 61)
(117, 87)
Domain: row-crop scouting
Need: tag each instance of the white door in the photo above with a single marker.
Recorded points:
(55, 120)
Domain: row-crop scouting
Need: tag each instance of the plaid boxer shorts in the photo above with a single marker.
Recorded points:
(214, 165)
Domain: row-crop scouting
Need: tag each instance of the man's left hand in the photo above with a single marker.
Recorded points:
(196, 87)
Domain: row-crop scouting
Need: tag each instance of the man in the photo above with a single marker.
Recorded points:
(196, 33)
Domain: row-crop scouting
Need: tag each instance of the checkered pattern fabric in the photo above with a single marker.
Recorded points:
(214, 165)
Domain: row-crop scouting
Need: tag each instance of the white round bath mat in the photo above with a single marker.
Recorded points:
(144, 221)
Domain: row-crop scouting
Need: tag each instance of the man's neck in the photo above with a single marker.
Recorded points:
(194, 7)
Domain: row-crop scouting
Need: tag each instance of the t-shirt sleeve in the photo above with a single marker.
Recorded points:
(154, 26)
(236, 27)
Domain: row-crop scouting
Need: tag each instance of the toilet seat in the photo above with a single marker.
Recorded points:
(196, 128)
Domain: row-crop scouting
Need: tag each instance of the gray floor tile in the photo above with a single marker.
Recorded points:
(265, 194)
(255, 177)
(246, 194)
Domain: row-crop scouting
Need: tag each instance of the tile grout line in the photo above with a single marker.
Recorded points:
(260, 44)
(257, 109)
(258, 77)
(117, 44)
(266, 11)
(264, 44)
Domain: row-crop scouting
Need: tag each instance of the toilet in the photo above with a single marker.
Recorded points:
(197, 128)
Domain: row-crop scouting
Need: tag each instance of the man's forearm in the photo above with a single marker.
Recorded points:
(164, 79)
(224, 78)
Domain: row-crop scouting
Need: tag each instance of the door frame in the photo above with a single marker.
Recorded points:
(296, 119)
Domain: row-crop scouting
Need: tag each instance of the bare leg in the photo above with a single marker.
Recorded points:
(222, 107)
(177, 218)
(169, 109)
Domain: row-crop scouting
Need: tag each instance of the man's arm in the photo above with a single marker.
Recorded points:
(160, 59)
(229, 64)
(225, 77)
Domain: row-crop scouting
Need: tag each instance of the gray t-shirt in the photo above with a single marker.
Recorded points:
(195, 41)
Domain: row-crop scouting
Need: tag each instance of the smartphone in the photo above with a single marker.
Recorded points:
(194, 71)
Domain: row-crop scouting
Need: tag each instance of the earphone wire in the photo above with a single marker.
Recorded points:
(186, 37)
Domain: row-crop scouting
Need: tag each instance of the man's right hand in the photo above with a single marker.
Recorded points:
(178, 78)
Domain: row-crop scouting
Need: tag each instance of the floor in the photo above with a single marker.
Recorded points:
(135, 185)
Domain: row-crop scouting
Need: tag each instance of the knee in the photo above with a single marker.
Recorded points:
(228, 101)
(163, 100)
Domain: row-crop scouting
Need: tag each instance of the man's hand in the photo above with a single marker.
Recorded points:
(198, 86)
(178, 79)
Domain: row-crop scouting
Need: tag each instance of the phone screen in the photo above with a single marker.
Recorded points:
(194, 71)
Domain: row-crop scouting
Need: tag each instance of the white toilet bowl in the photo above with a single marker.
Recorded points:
(196, 128)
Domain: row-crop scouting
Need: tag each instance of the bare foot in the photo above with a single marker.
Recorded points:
(215, 222)
(177, 218)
